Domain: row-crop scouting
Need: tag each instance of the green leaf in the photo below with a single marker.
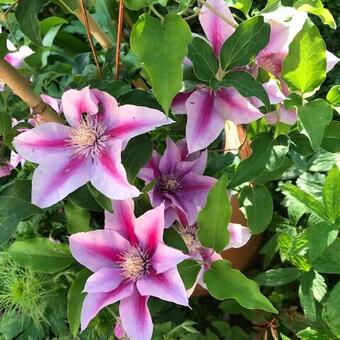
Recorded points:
(320, 236)
(136, 155)
(312, 334)
(161, 47)
(258, 205)
(78, 219)
(100, 198)
(41, 254)
(12, 211)
(332, 310)
(249, 38)
(331, 193)
(135, 5)
(3, 44)
(278, 277)
(26, 15)
(246, 85)
(331, 138)
(316, 7)
(83, 198)
(189, 269)
(314, 117)
(304, 68)
(309, 201)
(252, 167)
(5, 123)
(329, 261)
(333, 97)
(213, 219)
(223, 282)
(203, 58)
(242, 5)
(75, 299)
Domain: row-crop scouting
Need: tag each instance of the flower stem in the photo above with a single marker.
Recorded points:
(154, 10)
(218, 13)
(22, 88)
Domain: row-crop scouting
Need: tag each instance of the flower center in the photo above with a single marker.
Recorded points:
(88, 138)
(190, 238)
(170, 183)
(135, 263)
(267, 62)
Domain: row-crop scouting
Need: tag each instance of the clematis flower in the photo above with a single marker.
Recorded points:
(130, 263)
(7, 166)
(180, 183)
(207, 110)
(285, 23)
(239, 236)
(87, 150)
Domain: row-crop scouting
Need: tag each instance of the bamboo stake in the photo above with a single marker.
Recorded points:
(22, 88)
(119, 36)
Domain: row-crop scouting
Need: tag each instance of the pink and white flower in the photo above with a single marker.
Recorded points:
(87, 150)
(207, 110)
(180, 183)
(239, 236)
(130, 263)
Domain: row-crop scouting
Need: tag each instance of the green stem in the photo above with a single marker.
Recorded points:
(154, 10)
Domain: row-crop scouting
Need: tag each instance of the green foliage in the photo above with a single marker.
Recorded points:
(213, 219)
(249, 38)
(41, 255)
(304, 68)
(78, 219)
(223, 282)
(189, 270)
(161, 47)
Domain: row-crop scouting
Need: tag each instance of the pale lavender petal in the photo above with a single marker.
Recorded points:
(122, 219)
(98, 248)
(94, 302)
(151, 170)
(149, 228)
(170, 216)
(103, 280)
(53, 102)
(17, 58)
(167, 286)
(204, 123)
(197, 166)
(42, 141)
(183, 149)
(214, 27)
(166, 258)
(108, 107)
(109, 175)
(274, 93)
(57, 176)
(239, 235)
(178, 103)
(332, 60)
(287, 116)
(232, 106)
(131, 121)
(170, 158)
(5, 170)
(135, 317)
(76, 103)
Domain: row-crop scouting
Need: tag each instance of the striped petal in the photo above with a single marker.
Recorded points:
(103, 280)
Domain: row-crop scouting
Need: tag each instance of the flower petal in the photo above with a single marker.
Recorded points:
(178, 103)
(214, 27)
(170, 158)
(166, 257)
(123, 219)
(109, 175)
(77, 102)
(135, 317)
(53, 102)
(57, 176)
(204, 123)
(98, 248)
(167, 286)
(274, 93)
(332, 60)
(103, 280)
(36, 144)
(149, 228)
(151, 169)
(17, 58)
(108, 107)
(197, 166)
(239, 235)
(232, 106)
(94, 302)
(131, 121)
